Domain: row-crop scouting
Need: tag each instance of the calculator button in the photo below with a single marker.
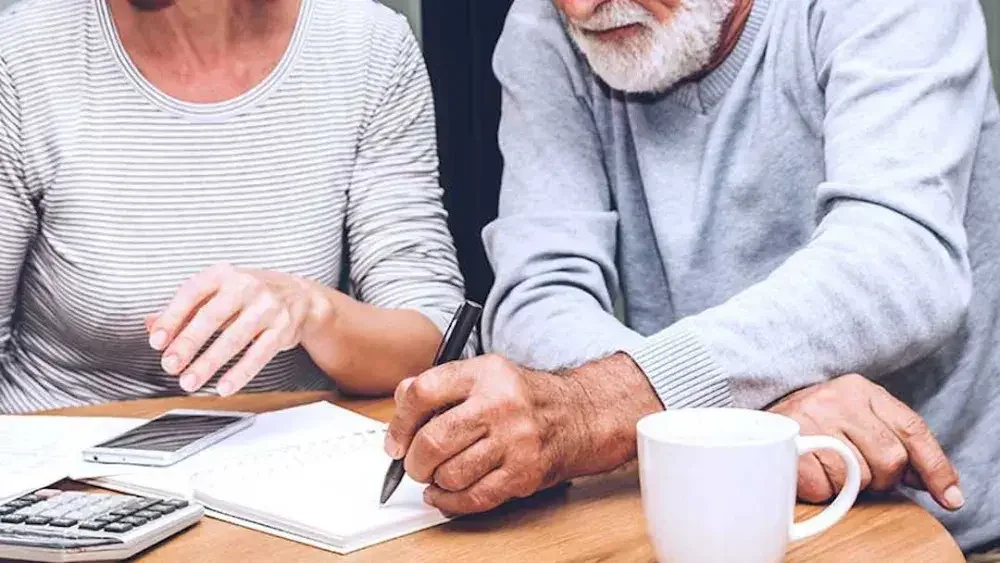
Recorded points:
(147, 514)
(79, 514)
(30, 499)
(117, 528)
(38, 520)
(98, 510)
(106, 518)
(93, 525)
(33, 510)
(177, 503)
(63, 522)
(120, 513)
(13, 519)
(133, 520)
(5, 510)
(163, 508)
(18, 504)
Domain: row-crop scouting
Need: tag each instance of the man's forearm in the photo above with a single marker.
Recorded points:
(609, 397)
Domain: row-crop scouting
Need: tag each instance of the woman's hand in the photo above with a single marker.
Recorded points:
(261, 312)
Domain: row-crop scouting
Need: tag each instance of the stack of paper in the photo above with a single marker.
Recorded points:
(36, 451)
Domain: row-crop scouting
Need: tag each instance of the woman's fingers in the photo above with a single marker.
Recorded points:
(242, 310)
(263, 350)
(235, 338)
(226, 304)
(188, 299)
(150, 320)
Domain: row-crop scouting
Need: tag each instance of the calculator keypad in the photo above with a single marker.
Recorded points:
(64, 512)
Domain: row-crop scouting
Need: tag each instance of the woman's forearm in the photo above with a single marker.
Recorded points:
(365, 349)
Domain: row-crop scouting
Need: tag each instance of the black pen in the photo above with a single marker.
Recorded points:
(452, 345)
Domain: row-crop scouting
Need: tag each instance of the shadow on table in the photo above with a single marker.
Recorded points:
(620, 486)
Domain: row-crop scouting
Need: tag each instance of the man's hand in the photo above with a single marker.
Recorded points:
(486, 431)
(893, 443)
(253, 312)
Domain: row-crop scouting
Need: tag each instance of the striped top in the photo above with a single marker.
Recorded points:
(113, 193)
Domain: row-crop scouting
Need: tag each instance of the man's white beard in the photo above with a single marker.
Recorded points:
(662, 54)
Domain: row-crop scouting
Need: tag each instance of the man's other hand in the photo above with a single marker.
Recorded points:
(893, 443)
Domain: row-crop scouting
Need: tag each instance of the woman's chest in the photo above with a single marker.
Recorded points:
(128, 215)
(256, 188)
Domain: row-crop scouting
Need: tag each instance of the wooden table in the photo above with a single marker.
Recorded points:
(598, 519)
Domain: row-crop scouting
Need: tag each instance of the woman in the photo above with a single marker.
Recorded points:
(215, 164)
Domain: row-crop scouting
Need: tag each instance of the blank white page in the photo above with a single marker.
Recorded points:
(324, 490)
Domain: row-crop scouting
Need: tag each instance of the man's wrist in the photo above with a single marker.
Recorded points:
(605, 399)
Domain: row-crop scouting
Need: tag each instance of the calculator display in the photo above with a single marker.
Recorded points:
(170, 432)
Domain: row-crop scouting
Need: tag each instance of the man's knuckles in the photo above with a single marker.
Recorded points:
(423, 391)
(814, 487)
(426, 451)
(481, 499)
(912, 427)
(526, 481)
(495, 364)
(888, 467)
(826, 402)
(452, 478)
(853, 381)
(402, 388)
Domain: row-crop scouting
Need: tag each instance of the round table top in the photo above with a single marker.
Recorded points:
(595, 519)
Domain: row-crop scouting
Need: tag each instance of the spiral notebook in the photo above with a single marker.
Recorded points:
(311, 474)
(322, 492)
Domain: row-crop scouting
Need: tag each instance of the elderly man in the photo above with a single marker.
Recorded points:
(796, 202)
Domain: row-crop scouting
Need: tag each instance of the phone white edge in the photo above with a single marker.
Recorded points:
(164, 459)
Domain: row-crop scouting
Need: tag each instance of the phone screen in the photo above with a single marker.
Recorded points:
(170, 432)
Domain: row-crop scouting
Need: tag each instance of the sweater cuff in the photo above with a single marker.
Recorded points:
(441, 320)
(681, 370)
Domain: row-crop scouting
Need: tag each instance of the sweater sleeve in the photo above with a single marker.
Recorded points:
(18, 216)
(553, 246)
(885, 278)
(402, 254)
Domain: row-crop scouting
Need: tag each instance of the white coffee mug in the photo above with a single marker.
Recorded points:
(719, 485)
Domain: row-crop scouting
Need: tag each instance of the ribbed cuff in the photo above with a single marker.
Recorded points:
(681, 370)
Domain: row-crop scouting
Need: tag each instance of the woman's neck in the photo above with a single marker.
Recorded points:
(203, 31)
(205, 50)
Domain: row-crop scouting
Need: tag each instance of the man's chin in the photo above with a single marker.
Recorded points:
(634, 81)
(626, 68)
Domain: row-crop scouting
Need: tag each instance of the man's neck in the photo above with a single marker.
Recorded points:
(732, 30)
(201, 31)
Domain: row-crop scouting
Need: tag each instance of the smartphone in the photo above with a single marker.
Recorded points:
(169, 438)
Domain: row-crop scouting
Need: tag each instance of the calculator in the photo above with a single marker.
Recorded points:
(56, 525)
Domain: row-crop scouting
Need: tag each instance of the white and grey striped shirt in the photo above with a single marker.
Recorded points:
(112, 193)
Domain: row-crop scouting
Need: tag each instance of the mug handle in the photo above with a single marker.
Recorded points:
(844, 501)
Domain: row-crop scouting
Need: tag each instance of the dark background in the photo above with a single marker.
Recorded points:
(459, 37)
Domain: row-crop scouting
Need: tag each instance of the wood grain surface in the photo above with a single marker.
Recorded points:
(594, 519)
